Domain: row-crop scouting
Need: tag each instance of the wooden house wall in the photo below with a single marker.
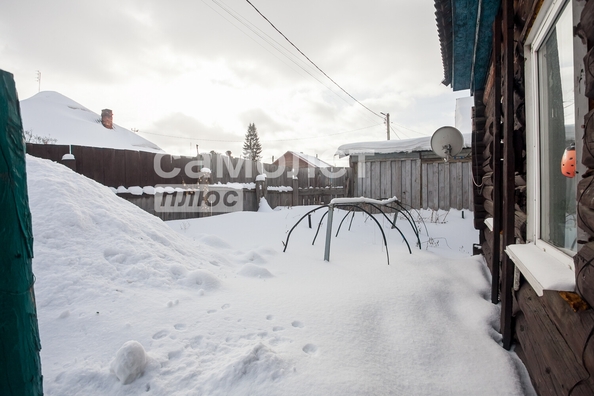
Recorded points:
(420, 183)
(553, 333)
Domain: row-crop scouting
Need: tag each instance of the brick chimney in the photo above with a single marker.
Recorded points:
(107, 118)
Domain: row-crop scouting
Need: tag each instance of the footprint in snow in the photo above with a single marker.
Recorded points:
(160, 334)
(180, 326)
(210, 311)
(298, 324)
(269, 317)
(277, 328)
(310, 349)
(226, 306)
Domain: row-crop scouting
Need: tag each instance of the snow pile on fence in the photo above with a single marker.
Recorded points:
(149, 190)
(391, 146)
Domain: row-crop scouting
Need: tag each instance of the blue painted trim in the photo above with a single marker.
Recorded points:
(472, 42)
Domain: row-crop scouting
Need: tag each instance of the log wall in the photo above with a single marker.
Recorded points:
(553, 333)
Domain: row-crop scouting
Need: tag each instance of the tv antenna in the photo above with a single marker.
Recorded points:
(447, 142)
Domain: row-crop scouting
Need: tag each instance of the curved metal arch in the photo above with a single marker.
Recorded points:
(318, 230)
(394, 226)
(419, 213)
(286, 243)
(408, 217)
(380, 227)
(343, 219)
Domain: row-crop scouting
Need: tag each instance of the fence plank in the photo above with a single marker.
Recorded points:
(386, 179)
(376, 179)
(98, 165)
(435, 171)
(397, 179)
(407, 182)
(416, 184)
(446, 186)
(360, 180)
(467, 190)
(441, 192)
(452, 184)
(132, 170)
(367, 185)
(424, 187)
(459, 187)
(147, 172)
(110, 174)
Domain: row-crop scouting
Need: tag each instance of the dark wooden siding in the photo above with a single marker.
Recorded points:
(553, 333)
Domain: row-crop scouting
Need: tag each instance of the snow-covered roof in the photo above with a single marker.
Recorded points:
(51, 114)
(391, 146)
(312, 160)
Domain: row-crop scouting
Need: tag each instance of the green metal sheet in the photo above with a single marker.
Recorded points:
(20, 366)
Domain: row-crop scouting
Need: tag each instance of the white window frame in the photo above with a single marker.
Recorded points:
(543, 265)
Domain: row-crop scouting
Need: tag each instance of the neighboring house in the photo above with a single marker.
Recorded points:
(52, 115)
(409, 170)
(294, 160)
(527, 65)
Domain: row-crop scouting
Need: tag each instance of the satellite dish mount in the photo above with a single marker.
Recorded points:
(447, 142)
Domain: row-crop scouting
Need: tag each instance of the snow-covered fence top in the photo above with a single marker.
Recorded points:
(391, 146)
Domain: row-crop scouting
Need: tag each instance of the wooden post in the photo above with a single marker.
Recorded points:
(507, 265)
(261, 189)
(497, 164)
(328, 233)
(19, 333)
(295, 191)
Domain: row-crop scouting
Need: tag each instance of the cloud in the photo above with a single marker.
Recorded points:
(201, 71)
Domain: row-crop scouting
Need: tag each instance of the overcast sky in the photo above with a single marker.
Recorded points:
(201, 71)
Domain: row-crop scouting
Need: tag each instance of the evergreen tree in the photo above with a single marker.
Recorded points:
(252, 149)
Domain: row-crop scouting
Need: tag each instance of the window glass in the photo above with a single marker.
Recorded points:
(558, 224)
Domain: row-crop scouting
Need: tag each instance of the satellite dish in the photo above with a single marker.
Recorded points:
(447, 142)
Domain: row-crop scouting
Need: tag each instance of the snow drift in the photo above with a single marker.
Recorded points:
(220, 310)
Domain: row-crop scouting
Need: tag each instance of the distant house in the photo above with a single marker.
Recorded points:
(294, 160)
(409, 170)
(529, 67)
(52, 115)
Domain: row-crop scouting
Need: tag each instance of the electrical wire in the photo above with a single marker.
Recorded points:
(395, 133)
(312, 62)
(278, 47)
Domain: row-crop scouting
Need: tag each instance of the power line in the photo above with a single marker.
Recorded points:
(405, 127)
(310, 61)
(279, 47)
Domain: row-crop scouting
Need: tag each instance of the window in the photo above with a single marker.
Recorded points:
(556, 132)
(551, 102)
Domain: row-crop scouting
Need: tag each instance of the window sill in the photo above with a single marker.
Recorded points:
(541, 269)
(489, 223)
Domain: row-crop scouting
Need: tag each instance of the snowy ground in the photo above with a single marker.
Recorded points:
(221, 310)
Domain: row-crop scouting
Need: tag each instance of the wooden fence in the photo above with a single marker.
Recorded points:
(423, 183)
(127, 168)
(114, 168)
(250, 201)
